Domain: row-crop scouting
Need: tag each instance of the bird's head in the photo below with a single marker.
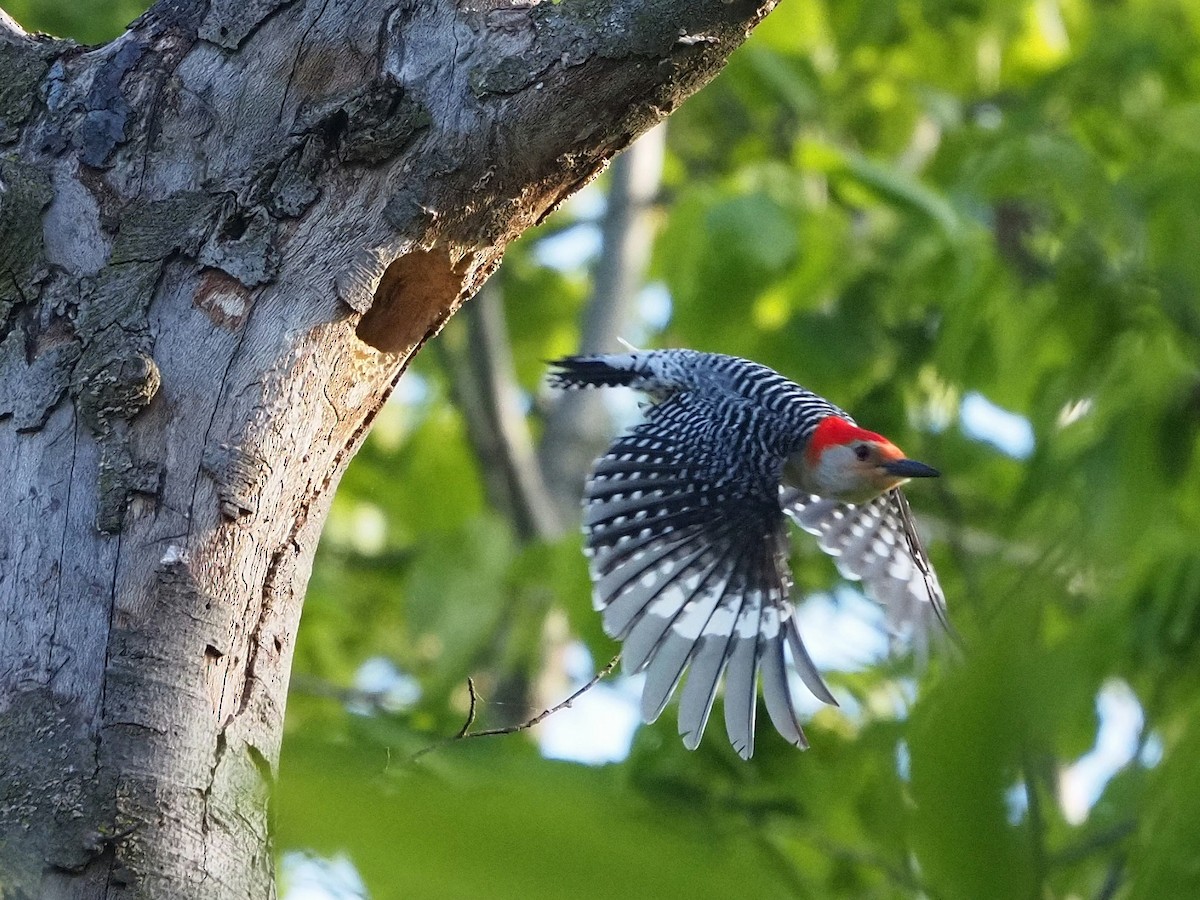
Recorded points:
(844, 462)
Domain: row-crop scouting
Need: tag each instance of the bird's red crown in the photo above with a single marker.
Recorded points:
(836, 431)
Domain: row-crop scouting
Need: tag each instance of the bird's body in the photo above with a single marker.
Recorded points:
(684, 519)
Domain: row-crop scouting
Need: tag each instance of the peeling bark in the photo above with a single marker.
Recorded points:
(223, 236)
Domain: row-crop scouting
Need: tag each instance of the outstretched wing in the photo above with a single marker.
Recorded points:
(688, 549)
(877, 543)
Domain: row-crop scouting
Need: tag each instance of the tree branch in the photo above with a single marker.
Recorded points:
(10, 31)
(465, 732)
(485, 387)
(256, 213)
(627, 237)
(485, 381)
(578, 426)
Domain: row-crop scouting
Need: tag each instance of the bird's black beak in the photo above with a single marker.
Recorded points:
(910, 468)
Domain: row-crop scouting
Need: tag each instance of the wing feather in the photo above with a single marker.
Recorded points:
(688, 554)
(642, 642)
(678, 641)
(687, 547)
(741, 674)
(772, 629)
(877, 543)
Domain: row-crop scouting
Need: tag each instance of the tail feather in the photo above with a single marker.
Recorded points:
(606, 370)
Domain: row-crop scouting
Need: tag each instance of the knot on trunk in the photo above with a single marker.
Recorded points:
(115, 384)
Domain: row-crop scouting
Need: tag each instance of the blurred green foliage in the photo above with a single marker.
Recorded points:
(898, 203)
(90, 22)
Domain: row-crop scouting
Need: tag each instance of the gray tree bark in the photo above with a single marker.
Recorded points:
(223, 236)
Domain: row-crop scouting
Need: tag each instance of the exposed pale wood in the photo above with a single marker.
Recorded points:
(222, 237)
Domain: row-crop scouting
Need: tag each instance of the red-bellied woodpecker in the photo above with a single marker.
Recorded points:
(686, 536)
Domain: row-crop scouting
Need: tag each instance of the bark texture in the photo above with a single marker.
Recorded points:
(222, 237)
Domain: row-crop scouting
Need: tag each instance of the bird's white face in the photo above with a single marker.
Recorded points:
(847, 463)
(854, 473)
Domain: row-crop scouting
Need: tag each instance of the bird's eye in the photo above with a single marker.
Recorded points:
(862, 452)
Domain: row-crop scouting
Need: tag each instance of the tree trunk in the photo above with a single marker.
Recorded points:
(222, 238)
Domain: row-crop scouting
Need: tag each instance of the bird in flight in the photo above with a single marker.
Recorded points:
(684, 519)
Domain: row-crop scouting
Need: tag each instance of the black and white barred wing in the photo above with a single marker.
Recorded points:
(688, 558)
(877, 543)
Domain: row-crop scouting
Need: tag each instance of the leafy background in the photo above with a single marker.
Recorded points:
(976, 225)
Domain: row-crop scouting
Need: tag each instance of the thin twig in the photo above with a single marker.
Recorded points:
(465, 732)
(462, 732)
(545, 713)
